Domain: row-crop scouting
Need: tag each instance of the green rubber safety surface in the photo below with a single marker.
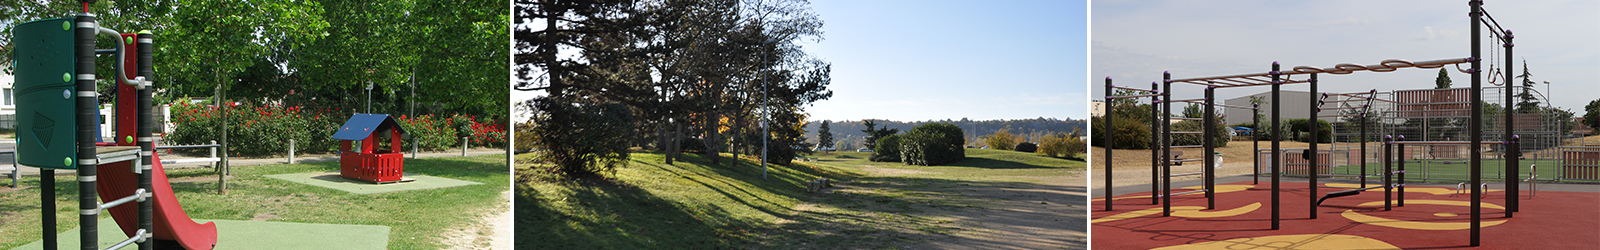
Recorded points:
(334, 181)
(233, 234)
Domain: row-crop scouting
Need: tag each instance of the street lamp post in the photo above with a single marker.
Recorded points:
(369, 97)
(766, 113)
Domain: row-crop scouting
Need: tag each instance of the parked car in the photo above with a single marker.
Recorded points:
(863, 150)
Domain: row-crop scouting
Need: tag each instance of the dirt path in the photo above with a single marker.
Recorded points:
(1050, 216)
(1024, 212)
(493, 231)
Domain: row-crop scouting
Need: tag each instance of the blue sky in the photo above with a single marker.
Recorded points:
(1134, 41)
(922, 60)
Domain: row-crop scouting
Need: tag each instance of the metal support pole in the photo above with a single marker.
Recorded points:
(1388, 157)
(1311, 170)
(1255, 145)
(1513, 152)
(1475, 123)
(89, 209)
(1166, 144)
(766, 114)
(1155, 148)
(147, 144)
(1513, 162)
(1210, 159)
(1275, 153)
(1400, 176)
(47, 206)
(1106, 132)
(1363, 149)
(463, 146)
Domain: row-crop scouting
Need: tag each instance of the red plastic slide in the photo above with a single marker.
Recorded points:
(117, 180)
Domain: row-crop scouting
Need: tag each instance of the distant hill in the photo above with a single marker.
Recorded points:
(850, 133)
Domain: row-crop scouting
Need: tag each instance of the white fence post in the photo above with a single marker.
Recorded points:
(413, 148)
(291, 151)
(214, 153)
(463, 146)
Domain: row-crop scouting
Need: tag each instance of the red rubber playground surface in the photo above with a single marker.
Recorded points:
(1433, 217)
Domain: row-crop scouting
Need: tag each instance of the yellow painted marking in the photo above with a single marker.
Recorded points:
(1414, 225)
(1430, 190)
(1445, 214)
(1220, 189)
(1436, 202)
(1196, 213)
(1293, 241)
(1181, 211)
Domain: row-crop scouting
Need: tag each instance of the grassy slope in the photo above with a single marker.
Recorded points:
(417, 218)
(693, 204)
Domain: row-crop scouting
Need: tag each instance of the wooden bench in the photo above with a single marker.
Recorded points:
(1177, 158)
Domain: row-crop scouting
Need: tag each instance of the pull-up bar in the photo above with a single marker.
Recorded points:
(1258, 79)
(1134, 89)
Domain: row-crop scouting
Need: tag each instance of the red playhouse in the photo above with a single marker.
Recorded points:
(367, 162)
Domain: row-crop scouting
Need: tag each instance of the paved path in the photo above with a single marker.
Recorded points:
(241, 161)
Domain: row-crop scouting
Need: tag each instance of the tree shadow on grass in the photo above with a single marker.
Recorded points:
(987, 163)
(601, 214)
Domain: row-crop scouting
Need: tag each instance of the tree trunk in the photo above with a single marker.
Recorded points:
(710, 139)
(677, 141)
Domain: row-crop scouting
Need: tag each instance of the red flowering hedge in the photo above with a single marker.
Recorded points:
(445, 132)
(265, 129)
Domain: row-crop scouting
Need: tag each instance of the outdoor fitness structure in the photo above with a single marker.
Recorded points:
(55, 74)
(1276, 78)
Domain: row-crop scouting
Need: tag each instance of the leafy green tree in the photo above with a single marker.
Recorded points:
(874, 134)
(1193, 111)
(1001, 140)
(1526, 102)
(1591, 116)
(932, 144)
(1443, 81)
(824, 137)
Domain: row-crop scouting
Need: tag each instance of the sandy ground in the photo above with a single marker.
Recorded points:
(492, 232)
(1050, 215)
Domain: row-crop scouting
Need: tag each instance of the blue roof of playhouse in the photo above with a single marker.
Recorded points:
(362, 125)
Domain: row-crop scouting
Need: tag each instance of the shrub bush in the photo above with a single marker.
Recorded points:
(887, 149)
(582, 140)
(1053, 145)
(1002, 140)
(256, 130)
(933, 144)
(1220, 140)
(1126, 134)
(1027, 147)
(692, 145)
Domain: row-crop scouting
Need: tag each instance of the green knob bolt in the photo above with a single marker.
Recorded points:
(128, 138)
(67, 25)
(66, 77)
(129, 40)
(66, 161)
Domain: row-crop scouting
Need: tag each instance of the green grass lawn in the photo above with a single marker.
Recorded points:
(696, 205)
(417, 218)
(1455, 170)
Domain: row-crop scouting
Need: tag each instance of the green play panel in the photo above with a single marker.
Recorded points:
(233, 234)
(334, 181)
